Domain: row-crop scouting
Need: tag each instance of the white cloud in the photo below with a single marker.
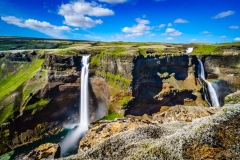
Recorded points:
(179, 20)
(172, 32)
(152, 35)
(207, 33)
(169, 24)
(113, 1)
(139, 29)
(223, 14)
(43, 27)
(77, 13)
(88, 36)
(169, 38)
(162, 25)
(223, 37)
(233, 27)
(193, 40)
(237, 39)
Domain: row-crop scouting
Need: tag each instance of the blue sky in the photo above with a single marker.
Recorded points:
(173, 21)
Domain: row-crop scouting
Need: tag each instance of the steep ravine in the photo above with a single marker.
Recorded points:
(151, 83)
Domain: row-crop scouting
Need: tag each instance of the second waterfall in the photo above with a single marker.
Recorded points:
(211, 90)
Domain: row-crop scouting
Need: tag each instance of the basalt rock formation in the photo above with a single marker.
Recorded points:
(149, 88)
(210, 137)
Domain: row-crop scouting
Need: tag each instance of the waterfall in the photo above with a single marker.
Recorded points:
(211, 90)
(84, 93)
(189, 50)
(72, 138)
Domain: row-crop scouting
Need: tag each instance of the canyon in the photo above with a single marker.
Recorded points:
(135, 89)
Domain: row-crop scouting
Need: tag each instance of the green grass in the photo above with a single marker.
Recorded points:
(6, 112)
(95, 60)
(143, 52)
(12, 82)
(39, 103)
(116, 51)
(116, 80)
(110, 116)
(205, 49)
(124, 101)
(7, 156)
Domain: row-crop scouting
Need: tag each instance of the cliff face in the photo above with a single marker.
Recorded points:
(224, 72)
(128, 84)
(48, 101)
(167, 80)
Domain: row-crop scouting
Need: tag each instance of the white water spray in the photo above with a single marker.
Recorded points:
(189, 50)
(212, 92)
(73, 137)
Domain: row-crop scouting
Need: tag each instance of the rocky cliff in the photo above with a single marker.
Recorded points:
(40, 91)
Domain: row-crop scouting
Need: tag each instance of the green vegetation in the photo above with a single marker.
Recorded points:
(143, 52)
(67, 51)
(6, 112)
(205, 49)
(95, 60)
(7, 156)
(36, 106)
(116, 80)
(124, 101)
(12, 82)
(110, 116)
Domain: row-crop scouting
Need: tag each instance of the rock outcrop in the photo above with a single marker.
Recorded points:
(212, 137)
(44, 151)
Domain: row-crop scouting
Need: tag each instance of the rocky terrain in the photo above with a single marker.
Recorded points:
(146, 86)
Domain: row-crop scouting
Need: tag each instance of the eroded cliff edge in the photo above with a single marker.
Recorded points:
(128, 83)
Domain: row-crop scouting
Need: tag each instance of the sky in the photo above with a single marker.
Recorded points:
(173, 21)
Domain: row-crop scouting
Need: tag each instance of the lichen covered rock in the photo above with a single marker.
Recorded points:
(212, 137)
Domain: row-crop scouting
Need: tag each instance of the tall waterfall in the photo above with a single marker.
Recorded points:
(72, 138)
(212, 92)
(84, 117)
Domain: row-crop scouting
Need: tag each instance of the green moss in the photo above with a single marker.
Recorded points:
(143, 52)
(36, 105)
(110, 116)
(95, 60)
(116, 80)
(124, 101)
(12, 82)
(6, 112)
(7, 156)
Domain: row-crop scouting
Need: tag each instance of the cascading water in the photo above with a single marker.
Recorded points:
(73, 137)
(211, 90)
(189, 50)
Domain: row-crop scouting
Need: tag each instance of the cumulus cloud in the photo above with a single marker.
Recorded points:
(233, 27)
(172, 32)
(223, 14)
(136, 30)
(179, 20)
(169, 38)
(237, 39)
(77, 14)
(113, 1)
(43, 27)
(162, 25)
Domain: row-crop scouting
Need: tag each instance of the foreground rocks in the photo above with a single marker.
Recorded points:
(211, 137)
(48, 151)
